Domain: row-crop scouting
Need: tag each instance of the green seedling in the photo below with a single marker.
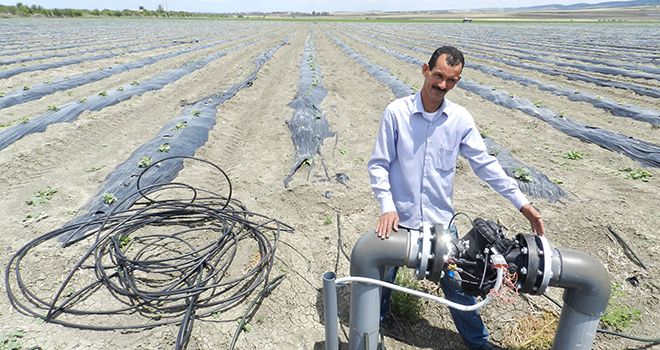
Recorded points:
(405, 305)
(144, 162)
(164, 148)
(121, 88)
(53, 108)
(522, 174)
(538, 103)
(4, 125)
(135, 82)
(327, 220)
(180, 125)
(26, 88)
(24, 120)
(558, 181)
(109, 198)
(82, 100)
(638, 174)
(573, 155)
(2, 94)
(124, 241)
(617, 315)
(42, 197)
(103, 93)
(10, 341)
(196, 112)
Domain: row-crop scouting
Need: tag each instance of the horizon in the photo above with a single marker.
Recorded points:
(231, 6)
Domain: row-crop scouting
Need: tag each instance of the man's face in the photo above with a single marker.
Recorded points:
(439, 80)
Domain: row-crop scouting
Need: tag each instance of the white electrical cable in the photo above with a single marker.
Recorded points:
(457, 306)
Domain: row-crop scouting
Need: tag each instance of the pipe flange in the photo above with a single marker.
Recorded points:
(425, 252)
(547, 264)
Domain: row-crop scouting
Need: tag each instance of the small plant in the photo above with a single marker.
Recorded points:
(109, 198)
(48, 81)
(2, 94)
(327, 220)
(164, 148)
(638, 174)
(617, 315)
(103, 93)
(573, 155)
(121, 88)
(196, 112)
(42, 197)
(124, 241)
(180, 125)
(53, 108)
(144, 162)
(406, 305)
(538, 103)
(4, 125)
(135, 82)
(558, 181)
(95, 168)
(10, 341)
(24, 120)
(522, 174)
(26, 88)
(82, 100)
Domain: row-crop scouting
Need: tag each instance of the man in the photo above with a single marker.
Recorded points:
(414, 162)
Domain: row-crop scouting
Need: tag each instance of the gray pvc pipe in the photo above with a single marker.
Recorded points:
(368, 258)
(330, 311)
(587, 290)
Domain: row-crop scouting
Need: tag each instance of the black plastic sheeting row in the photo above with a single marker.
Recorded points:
(645, 153)
(540, 185)
(308, 125)
(49, 65)
(640, 90)
(628, 111)
(181, 136)
(19, 96)
(72, 110)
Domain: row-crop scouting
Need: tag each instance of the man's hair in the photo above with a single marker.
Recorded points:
(454, 56)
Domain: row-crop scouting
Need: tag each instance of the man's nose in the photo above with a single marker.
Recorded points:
(442, 84)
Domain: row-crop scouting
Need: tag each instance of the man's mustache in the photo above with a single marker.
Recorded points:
(439, 89)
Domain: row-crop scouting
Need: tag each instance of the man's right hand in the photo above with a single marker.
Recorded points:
(387, 222)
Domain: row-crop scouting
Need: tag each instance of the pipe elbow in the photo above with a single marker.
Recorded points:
(586, 281)
(371, 252)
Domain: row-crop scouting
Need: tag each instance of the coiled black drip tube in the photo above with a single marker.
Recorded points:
(163, 261)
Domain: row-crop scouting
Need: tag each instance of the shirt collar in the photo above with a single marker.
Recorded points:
(445, 108)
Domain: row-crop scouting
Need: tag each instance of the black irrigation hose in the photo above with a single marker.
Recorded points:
(652, 341)
(171, 261)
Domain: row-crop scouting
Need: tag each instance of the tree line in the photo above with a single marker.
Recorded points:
(22, 10)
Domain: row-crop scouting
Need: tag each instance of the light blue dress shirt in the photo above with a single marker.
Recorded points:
(413, 164)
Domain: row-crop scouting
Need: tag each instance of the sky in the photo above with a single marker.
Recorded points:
(292, 5)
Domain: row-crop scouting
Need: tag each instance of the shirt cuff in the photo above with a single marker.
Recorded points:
(518, 199)
(386, 203)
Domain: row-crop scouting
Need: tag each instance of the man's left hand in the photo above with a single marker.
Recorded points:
(534, 218)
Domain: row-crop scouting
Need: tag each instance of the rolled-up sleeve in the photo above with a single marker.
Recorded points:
(381, 159)
(487, 168)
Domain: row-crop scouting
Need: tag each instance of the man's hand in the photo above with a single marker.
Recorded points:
(388, 221)
(534, 218)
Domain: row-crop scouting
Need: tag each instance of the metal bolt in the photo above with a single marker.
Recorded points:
(540, 252)
(523, 270)
(523, 250)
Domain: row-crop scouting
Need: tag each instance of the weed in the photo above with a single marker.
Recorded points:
(196, 112)
(135, 82)
(180, 125)
(533, 333)
(2, 94)
(42, 197)
(327, 220)
(573, 155)
(24, 120)
(538, 103)
(638, 174)
(405, 305)
(522, 174)
(4, 125)
(26, 88)
(562, 115)
(53, 108)
(617, 315)
(558, 181)
(164, 148)
(121, 88)
(124, 241)
(103, 93)
(109, 198)
(10, 341)
(144, 162)
(82, 100)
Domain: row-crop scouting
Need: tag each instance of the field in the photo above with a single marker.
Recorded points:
(82, 102)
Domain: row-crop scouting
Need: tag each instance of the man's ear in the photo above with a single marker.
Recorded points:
(425, 68)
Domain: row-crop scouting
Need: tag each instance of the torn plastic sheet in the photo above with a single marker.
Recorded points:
(645, 153)
(538, 186)
(39, 90)
(181, 136)
(629, 111)
(48, 65)
(72, 110)
(308, 125)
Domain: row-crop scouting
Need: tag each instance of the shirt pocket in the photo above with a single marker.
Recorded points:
(445, 159)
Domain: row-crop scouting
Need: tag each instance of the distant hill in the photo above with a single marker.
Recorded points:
(600, 5)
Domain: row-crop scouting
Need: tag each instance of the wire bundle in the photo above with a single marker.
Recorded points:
(170, 261)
